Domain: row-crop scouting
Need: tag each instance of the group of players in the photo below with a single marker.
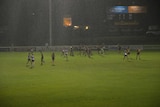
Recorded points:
(127, 53)
(31, 59)
(86, 51)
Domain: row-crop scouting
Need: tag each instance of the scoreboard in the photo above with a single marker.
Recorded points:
(126, 15)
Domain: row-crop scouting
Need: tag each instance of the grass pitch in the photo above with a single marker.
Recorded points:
(100, 81)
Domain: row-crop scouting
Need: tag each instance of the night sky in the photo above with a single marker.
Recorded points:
(28, 19)
(85, 8)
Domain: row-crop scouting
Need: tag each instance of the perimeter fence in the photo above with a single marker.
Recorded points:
(76, 47)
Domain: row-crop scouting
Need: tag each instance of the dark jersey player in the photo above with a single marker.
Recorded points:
(53, 58)
(42, 58)
(138, 54)
(28, 58)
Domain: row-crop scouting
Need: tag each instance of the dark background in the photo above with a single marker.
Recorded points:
(26, 22)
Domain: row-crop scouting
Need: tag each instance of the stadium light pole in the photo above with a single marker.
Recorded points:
(50, 22)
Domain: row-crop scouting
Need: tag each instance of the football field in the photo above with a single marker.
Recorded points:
(100, 81)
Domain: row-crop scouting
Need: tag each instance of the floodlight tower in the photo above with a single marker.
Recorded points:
(50, 22)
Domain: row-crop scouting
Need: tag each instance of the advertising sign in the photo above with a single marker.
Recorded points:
(128, 9)
(137, 9)
(119, 9)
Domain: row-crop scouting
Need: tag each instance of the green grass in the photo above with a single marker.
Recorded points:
(100, 81)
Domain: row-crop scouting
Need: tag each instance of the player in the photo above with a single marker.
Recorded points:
(125, 55)
(98, 49)
(42, 58)
(29, 58)
(119, 48)
(53, 58)
(32, 60)
(71, 51)
(128, 51)
(66, 54)
(80, 48)
(138, 54)
(102, 50)
(89, 52)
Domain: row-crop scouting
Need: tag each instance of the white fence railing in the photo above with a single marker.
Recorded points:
(76, 47)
